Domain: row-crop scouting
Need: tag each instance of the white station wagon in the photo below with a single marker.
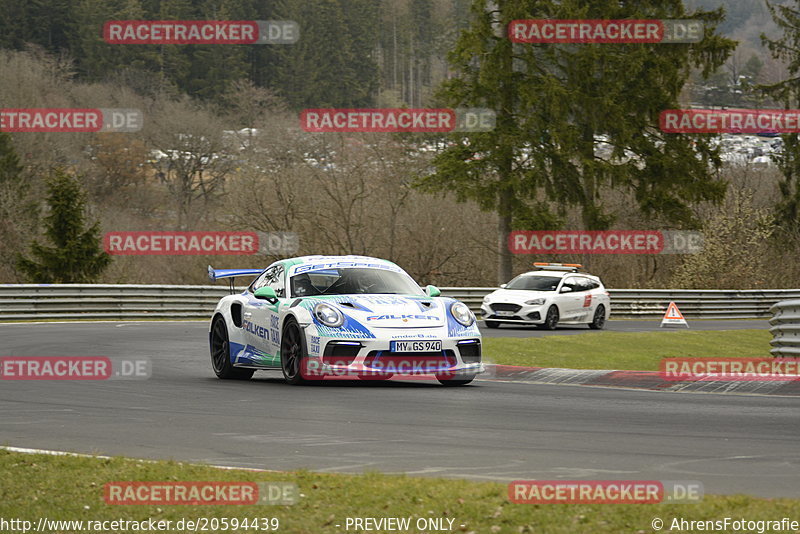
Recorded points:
(556, 293)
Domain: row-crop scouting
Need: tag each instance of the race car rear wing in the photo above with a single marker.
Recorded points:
(216, 274)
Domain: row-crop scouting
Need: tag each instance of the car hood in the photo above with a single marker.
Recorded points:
(517, 295)
(389, 311)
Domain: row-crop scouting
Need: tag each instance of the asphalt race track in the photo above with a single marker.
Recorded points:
(489, 430)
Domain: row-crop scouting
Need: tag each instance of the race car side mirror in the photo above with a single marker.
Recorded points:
(266, 293)
(565, 289)
(503, 286)
(432, 291)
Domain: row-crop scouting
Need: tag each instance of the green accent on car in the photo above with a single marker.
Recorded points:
(290, 263)
(267, 360)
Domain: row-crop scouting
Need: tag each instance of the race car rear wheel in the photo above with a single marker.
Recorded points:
(456, 380)
(599, 320)
(292, 352)
(551, 319)
(221, 354)
(491, 324)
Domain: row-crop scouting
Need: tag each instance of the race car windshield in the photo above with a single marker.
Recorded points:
(534, 283)
(353, 281)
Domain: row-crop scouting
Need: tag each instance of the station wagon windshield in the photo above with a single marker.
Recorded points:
(534, 283)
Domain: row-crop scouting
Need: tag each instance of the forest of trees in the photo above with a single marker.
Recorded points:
(354, 53)
(388, 53)
(430, 203)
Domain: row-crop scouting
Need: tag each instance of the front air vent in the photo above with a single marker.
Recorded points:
(470, 350)
(341, 352)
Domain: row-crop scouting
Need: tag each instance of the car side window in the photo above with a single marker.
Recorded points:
(571, 283)
(272, 277)
(584, 284)
(276, 281)
(261, 281)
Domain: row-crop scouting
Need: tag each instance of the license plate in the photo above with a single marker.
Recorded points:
(416, 346)
(504, 313)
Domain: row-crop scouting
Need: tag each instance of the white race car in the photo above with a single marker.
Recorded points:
(555, 294)
(317, 317)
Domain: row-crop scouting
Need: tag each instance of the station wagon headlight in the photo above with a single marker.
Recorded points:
(535, 302)
(462, 314)
(328, 315)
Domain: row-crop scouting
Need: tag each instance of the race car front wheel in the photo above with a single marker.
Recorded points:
(292, 353)
(456, 380)
(221, 354)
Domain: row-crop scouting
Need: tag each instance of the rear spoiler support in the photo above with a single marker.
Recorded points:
(216, 274)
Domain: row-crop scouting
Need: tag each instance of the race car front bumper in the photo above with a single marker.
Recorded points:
(513, 313)
(372, 357)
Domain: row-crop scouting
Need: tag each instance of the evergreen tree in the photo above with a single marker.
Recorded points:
(10, 167)
(96, 59)
(19, 211)
(214, 68)
(331, 64)
(76, 255)
(42, 22)
(787, 49)
(553, 103)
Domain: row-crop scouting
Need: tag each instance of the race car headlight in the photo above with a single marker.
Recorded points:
(535, 302)
(462, 314)
(328, 315)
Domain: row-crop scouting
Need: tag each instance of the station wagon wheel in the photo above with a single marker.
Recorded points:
(551, 319)
(599, 320)
(292, 352)
(221, 354)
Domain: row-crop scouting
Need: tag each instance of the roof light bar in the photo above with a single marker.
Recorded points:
(558, 266)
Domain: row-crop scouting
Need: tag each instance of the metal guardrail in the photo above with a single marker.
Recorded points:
(120, 302)
(652, 303)
(105, 301)
(785, 328)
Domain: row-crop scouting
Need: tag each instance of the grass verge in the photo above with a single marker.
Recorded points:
(639, 351)
(71, 488)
